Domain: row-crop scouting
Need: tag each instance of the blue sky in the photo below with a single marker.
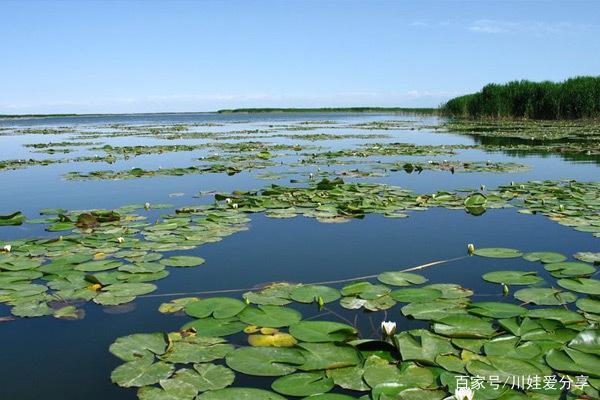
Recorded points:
(118, 56)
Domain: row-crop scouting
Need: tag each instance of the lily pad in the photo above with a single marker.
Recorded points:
(322, 331)
(581, 285)
(401, 278)
(303, 384)
(217, 307)
(182, 261)
(545, 296)
(545, 257)
(311, 293)
(513, 277)
(270, 316)
(498, 252)
(239, 394)
(265, 361)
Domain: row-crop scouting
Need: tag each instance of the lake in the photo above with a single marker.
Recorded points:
(47, 357)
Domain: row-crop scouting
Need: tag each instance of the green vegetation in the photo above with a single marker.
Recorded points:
(574, 98)
(329, 109)
(491, 341)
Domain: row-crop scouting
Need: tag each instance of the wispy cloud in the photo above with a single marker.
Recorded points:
(499, 27)
(211, 102)
(535, 28)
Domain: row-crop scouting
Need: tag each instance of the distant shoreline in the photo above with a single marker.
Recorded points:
(238, 111)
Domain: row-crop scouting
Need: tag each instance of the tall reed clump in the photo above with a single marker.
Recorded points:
(574, 98)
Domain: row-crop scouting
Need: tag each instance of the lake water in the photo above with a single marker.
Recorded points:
(48, 358)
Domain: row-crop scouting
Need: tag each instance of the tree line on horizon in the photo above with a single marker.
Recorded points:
(573, 98)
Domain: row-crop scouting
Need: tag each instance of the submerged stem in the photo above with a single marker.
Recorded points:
(419, 267)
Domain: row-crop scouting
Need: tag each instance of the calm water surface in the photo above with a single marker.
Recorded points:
(46, 358)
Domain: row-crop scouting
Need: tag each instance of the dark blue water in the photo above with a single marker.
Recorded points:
(55, 359)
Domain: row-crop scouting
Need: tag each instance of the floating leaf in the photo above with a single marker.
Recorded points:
(581, 285)
(513, 277)
(265, 361)
(270, 316)
(216, 327)
(545, 296)
(415, 295)
(569, 269)
(141, 372)
(498, 252)
(401, 278)
(182, 261)
(544, 256)
(310, 294)
(322, 331)
(217, 307)
(239, 394)
(303, 384)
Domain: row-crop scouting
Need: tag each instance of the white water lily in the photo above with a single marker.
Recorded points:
(471, 248)
(228, 200)
(388, 328)
(464, 394)
(6, 248)
(146, 205)
(120, 239)
(234, 205)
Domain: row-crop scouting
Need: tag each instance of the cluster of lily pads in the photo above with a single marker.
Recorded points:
(495, 343)
(110, 256)
(527, 129)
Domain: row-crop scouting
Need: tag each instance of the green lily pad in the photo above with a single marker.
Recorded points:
(217, 307)
(496, 309)
(415, 295)
(401, 278)
(265, 361)
(569, 269)
(544, 256)
(589, 305)
(16, 218)
(182, 261)
(319, 356)
(239, 394)
(545, 296)
(216, 327)
(498, 252)
(350, 378)
(142, 372)
(310, 294)
(513, 277)
(132, 347)
(322, 331)
(270, 316)
(566, 317)
(303, 384)
(581, 285)
(588, 257)
(463, 326)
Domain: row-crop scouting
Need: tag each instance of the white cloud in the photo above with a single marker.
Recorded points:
(211, 102)
(535, 28)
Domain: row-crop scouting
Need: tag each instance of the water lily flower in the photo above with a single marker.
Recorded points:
(146, 205)
(464, 394)
(311, 175)
(471, 248)
(235, 206)
(228, 200)
(388, 328)
(6, 248)
(120, 239)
